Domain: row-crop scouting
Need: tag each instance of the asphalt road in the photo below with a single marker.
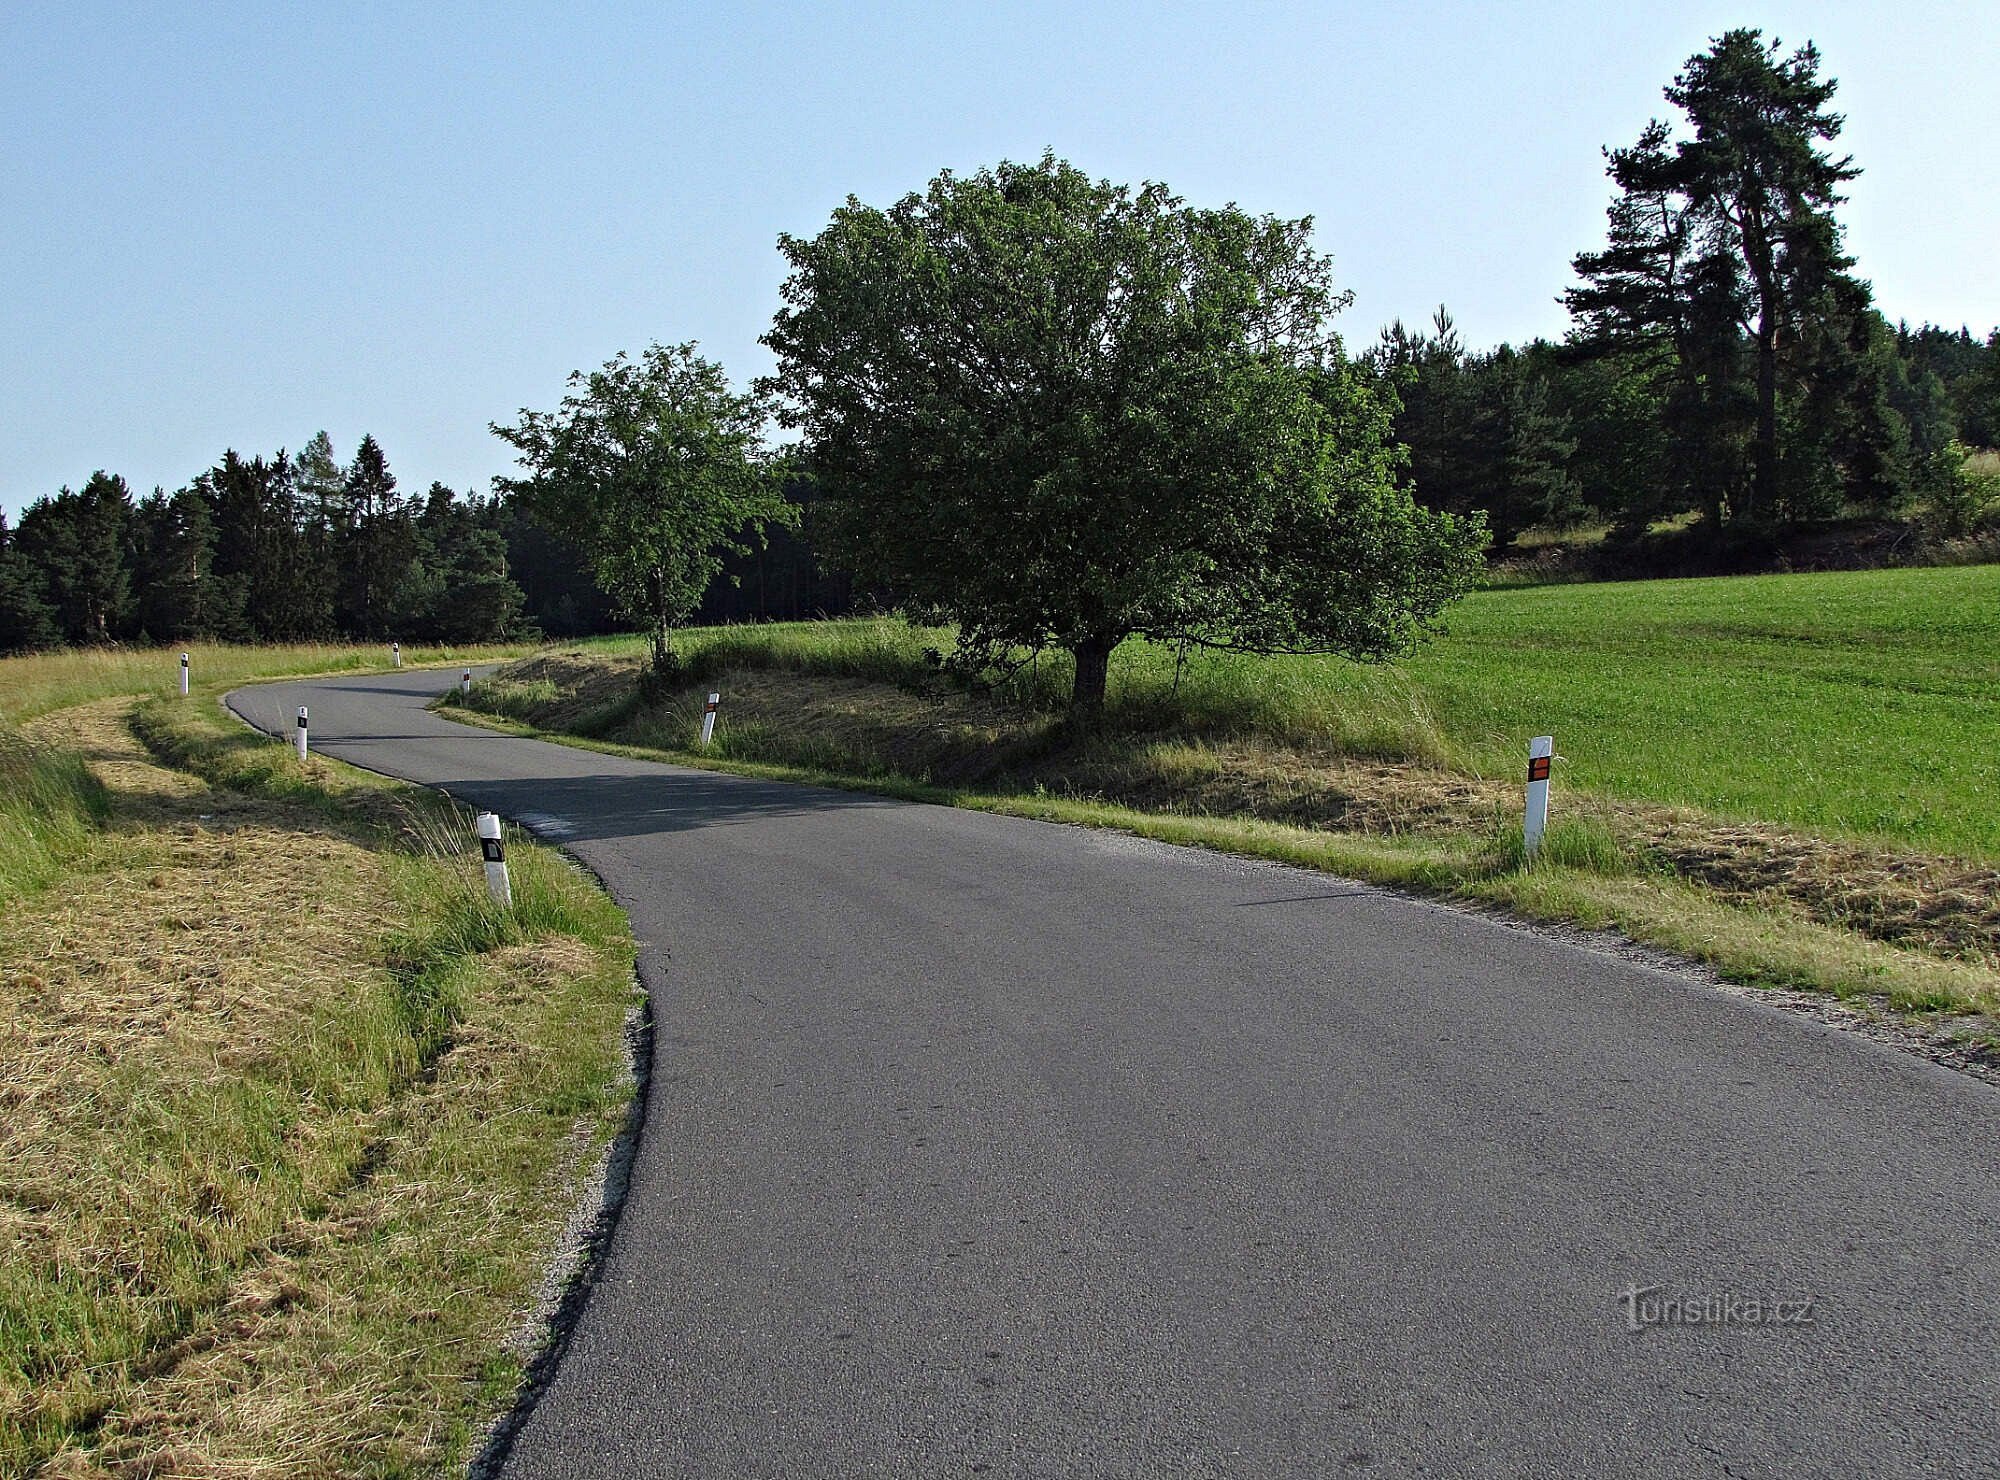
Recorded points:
(984, 1146)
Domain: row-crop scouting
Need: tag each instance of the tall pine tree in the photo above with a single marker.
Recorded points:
(1724, 246)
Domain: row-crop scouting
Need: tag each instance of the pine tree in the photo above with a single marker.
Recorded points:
(378, 546)
(321, 493)
(78, 541)
(174, 556)
(1724, 248)
(26, 619)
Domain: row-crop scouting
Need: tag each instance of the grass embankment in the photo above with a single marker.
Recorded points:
(35, 685)
(1793, 778)
(290, 1115)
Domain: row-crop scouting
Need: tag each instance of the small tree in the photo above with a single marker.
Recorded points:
(1062, 413)
(1961, 496)
(654, 468)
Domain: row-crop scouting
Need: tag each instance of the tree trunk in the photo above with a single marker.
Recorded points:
(1764, 464)
(1093, 663)
(662, 650)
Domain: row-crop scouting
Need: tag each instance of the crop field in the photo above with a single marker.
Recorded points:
(1864, 704)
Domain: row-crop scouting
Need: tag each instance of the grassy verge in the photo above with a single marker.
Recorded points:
(50, 806)
(35, 685)
(290, 1115)
(1852, 704)
(1387, 776)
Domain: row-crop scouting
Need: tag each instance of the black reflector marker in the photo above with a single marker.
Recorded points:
(495, 853)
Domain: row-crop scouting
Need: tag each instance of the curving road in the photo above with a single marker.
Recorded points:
(984, 1146)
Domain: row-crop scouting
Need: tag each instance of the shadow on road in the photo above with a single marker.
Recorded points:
(624, 805)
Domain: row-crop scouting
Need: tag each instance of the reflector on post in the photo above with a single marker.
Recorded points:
(494, 852)
(1541, 754)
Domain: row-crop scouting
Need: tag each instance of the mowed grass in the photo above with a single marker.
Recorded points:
(44, 681)
(1864, 704)
(289, 1113)
(1854, 702)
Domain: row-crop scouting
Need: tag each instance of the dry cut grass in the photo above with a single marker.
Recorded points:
(286, 1117)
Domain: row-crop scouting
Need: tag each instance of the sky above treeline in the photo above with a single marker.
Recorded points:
(236, 227)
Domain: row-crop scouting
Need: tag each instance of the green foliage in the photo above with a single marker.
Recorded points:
(76, 543)
(1724, 272)
(257, 549)
(26, 619)
(1961, 498)
(1979, 405)
(1061, 412)
(174, 557)
(377, 543)
(654, 468)
(1485, 434)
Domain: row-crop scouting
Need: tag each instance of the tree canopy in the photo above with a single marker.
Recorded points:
(1061, 412)
(1724, 251)
(656, 469)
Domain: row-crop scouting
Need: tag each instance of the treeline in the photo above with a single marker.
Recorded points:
(1724, 359)
(299, 547)
(1551, 434)
(285, 548)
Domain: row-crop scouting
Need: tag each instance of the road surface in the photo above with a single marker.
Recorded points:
(979, 1146)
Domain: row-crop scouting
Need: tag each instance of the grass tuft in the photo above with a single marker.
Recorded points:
(50, 806)
(1585, 844)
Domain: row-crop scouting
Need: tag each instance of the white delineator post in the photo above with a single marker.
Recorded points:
(495, 854)
(708, 719)
(301, 732)
(1541, 751)
(465, 682)
(184, 675)
(396, 654)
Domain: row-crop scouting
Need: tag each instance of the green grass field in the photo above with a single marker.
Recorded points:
(1860, 703)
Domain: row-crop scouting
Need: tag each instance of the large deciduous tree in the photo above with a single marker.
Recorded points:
(1061, 412)
(655, 468)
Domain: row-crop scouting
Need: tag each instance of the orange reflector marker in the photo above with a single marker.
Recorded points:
(1541, 750)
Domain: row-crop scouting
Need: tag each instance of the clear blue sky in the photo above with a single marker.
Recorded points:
(237, 225)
